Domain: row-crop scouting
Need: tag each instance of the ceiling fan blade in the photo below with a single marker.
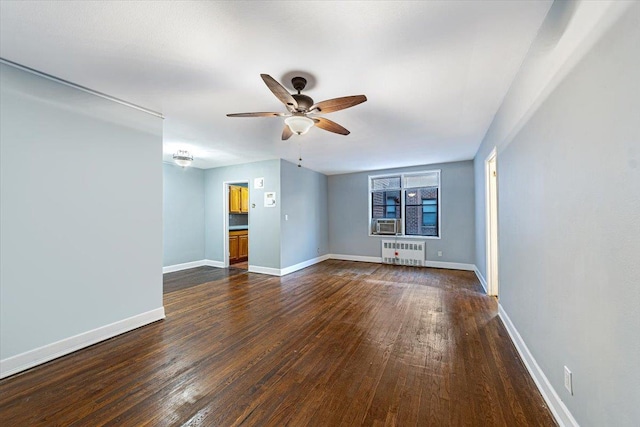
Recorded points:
(336, 104)
(286, 133)
(280, 92)
(327, 124)
(257, 115)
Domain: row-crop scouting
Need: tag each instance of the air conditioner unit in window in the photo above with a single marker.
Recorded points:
(386, 226)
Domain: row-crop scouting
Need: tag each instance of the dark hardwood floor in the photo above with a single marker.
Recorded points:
(336, 344)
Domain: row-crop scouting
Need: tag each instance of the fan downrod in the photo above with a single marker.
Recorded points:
(299, 83)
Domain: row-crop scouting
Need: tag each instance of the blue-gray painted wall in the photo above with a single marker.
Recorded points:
(349, 214)
(569, 228)
(305, 234)
(264, 223)
(80, 212)
(182, 214)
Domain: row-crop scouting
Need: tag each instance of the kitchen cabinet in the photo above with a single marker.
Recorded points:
(244, 200)
(233, 248)
(238, 199)
(235, 205)
(243, 246)
(238, 246)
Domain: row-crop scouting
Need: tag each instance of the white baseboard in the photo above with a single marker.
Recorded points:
(183, 266)
(427, 263)
(287, 270)
(264, 270)
(480, 277)
(558, 408)
(29, 359)
(360, 258)
(212, 263)
(304, 264)
(449, 265)
(192, 264)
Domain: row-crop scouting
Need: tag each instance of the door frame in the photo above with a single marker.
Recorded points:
(225, 218)
(491, 221)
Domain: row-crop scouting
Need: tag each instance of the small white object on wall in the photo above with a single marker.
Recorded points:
(258, 183)
(270, 199)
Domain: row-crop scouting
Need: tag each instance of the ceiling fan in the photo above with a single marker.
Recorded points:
(301, 116)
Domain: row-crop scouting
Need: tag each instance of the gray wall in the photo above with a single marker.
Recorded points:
(305, 235)
(569, 230)
(349, 214)
(264, 223)
(182, 214)
(80, 209)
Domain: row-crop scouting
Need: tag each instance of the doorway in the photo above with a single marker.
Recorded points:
(491, 202)
(236, 224)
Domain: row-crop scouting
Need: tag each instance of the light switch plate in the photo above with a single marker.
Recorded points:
(568, 383)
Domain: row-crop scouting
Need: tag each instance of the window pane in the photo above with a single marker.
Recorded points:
(421, 205)
(387, 183)
(425, 180)
(385, 204)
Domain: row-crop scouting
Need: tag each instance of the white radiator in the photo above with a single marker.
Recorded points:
(403, 253)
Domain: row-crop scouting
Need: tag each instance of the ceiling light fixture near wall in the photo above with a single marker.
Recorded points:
(183, 158)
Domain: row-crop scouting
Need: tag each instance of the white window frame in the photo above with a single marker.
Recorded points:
(403, 189)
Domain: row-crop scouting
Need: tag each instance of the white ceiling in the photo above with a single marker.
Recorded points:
(434, 72)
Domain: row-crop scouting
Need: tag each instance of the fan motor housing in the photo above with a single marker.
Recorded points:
(304, 102)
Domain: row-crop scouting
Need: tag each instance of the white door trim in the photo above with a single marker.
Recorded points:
(491, 221)
(225, 217)
(225, 223)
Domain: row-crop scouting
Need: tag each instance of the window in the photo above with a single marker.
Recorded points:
(385, 200)
(413, 199)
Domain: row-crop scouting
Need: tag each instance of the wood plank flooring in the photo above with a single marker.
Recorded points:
(336, 344)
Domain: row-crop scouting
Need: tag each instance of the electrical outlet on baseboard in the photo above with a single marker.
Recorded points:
(568, 380)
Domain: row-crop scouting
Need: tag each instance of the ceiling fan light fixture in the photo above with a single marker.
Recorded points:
(299, 124)
(183, 158)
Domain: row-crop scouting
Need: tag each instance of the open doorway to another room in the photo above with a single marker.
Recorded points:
(237, 224)
(491, 201)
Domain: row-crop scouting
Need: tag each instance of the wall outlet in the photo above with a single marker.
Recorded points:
(286, 217)
(568, 384)
(439, 253)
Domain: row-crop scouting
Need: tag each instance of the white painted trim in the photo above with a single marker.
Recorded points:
(403, 190)
(427, 263)
(303, 264)
(29, 359)
(359, 258)
(449, 265)
(265, 270)
(481, 279)
(225, 217)
(192, 264)
(559, 410)
(183, 266)
(212, 263)
(225, 224)
(491, 252)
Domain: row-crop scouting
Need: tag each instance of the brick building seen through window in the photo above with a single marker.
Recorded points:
(415, 194)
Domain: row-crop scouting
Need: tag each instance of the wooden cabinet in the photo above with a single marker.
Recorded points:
(244, 200)
(243, 246)
(238, 246)
(234, 199)
(233, 248)
(238, 199)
